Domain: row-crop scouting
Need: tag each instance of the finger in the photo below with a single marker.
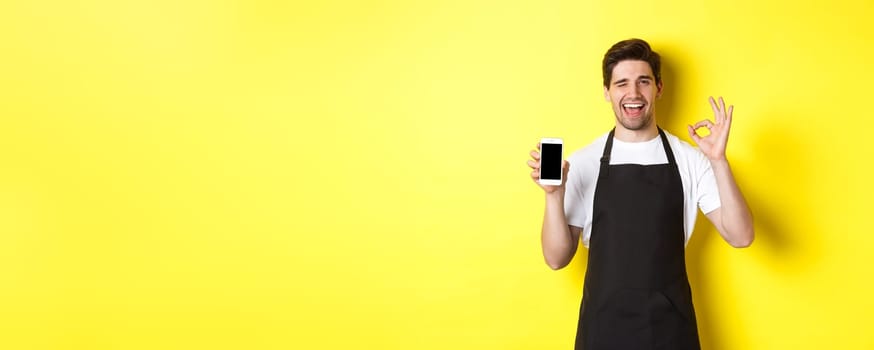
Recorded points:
(704, 123)
(533, 164)
(535, 175)
(535, 155)
(693, 134)
(713, 106)
(721, 117)
(730, 113)
(538, 146)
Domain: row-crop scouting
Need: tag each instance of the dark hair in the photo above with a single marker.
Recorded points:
(631, 49)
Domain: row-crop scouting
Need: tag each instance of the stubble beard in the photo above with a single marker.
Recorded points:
(635, 125)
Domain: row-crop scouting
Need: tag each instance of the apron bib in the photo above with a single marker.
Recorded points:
(636, 294)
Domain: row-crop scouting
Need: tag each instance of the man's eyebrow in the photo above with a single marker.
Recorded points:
(645, 77)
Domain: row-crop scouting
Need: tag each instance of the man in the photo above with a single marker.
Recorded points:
(632, 196)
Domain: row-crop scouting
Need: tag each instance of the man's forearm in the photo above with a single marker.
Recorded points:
(736, 218)
(558, 243)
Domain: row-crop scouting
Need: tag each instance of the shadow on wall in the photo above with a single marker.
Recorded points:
(777, 159)
(774, 159)
(665, 104)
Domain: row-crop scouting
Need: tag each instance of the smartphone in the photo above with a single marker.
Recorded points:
(550, 161)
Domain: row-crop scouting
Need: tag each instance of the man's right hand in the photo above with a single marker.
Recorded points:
(534, 163)
(559, 241)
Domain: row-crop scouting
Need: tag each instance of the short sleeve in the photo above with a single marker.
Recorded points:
(708, 192)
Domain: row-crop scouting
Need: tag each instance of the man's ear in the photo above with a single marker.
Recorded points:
(659, 88)
(607, 94)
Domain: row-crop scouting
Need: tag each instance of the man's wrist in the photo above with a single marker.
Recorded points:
(556, 195)
(720, 163)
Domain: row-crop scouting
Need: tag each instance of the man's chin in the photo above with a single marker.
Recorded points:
(635, 125)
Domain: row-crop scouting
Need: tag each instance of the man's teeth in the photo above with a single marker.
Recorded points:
(633, 105)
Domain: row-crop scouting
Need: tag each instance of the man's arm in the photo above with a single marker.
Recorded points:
(733, 218)
(559, 240)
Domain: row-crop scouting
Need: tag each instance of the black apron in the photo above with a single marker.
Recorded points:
(636, 294)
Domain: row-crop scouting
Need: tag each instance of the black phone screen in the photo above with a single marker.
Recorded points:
(550, 161)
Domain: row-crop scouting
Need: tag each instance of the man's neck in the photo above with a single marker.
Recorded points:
(642, 135)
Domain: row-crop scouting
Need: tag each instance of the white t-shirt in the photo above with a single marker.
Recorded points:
(699, 183)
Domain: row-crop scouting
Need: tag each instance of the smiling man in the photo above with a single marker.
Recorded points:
(631, 197)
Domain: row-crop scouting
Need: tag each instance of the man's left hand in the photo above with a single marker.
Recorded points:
(713, 145)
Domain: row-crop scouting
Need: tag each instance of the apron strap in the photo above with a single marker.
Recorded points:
(608, 147)
(668, 151)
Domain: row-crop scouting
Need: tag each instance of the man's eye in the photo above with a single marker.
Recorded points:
(644, 82)
(620, 84)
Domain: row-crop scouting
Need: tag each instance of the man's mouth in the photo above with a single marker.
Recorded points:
(632, 109)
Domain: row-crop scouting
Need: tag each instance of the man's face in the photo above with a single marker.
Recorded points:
(632, 92)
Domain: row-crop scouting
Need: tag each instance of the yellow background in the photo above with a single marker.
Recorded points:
(351, 174)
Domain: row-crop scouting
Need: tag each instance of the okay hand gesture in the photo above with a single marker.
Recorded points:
(713, 145)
